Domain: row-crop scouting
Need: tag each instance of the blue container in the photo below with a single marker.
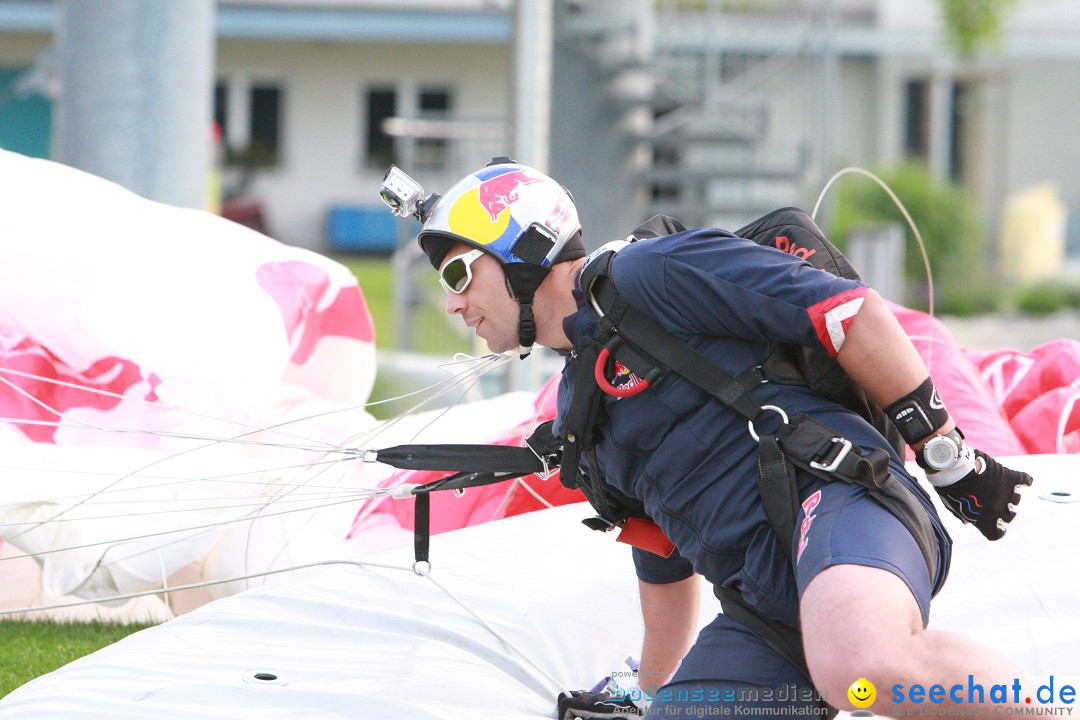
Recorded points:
(353, 228)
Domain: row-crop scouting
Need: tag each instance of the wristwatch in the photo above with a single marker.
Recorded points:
(941, 451)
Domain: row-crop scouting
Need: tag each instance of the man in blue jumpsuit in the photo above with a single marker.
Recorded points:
(857, 586)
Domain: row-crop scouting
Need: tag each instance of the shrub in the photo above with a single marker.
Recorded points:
(1042, 299)
(947, 220)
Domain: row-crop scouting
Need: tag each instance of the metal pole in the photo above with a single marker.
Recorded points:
(530, 130)
(830, 68)
(533, 41)
(135, 94)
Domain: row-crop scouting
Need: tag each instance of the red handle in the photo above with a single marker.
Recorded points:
(602, 381)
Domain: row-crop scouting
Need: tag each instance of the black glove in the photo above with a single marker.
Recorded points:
(582, 704)
(983, 496)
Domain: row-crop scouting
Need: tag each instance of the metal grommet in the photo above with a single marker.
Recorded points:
(778, 411)
(1060, 496)
(263, 677)
(422, 567)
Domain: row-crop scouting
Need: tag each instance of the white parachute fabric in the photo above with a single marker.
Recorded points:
(133, 335)
(371, 642)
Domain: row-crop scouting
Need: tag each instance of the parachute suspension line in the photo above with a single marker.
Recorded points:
(135, 473)
(490, 362)
(225, 479)
(478, 373)
(482, 366)
(535, 494)
(322, 445)
(196, 586)
(143, 401)
(199, 529)
(358, 494)
(562, 687)
(907, 217)
(165, 593)
(266, 573)
(194, 530)
(469, 378)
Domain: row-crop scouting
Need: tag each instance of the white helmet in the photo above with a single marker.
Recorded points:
(518, 215)
(511, 211)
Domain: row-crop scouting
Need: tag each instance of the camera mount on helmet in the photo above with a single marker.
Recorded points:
(404, 195)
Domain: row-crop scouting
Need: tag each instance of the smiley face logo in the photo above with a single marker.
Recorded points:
(862, 693)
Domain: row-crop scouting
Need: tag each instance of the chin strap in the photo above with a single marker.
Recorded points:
(524, 279)
(526, 327)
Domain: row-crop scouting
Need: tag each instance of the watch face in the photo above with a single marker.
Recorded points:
(941, 452)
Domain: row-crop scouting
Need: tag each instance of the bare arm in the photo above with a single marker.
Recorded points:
(670, 612)
(878, 355)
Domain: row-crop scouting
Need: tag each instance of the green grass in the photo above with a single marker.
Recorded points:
(29, 649)
(432, 333)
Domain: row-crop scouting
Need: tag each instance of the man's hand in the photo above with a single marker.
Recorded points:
(582, 704)
(987, 496)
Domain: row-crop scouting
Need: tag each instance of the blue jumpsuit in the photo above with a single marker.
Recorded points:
(692, 462)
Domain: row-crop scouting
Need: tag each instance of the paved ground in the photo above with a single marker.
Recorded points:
(1019, 332)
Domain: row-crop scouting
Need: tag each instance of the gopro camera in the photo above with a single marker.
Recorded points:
(405, 196)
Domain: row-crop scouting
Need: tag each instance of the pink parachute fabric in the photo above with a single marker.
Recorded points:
(1039, 392)
(970, 399)
(1007, 402)
(149, 302)
(128, 327)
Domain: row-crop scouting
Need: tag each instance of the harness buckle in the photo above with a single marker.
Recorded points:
(841, 455)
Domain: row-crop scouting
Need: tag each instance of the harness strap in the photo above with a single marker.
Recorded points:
(785, 640)
(422, 528)
(804, 442)
(462, 458)
(779, 491)
(580, 423)
(639, 332)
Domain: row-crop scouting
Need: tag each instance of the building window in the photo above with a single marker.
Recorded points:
(221, 108)
(250, 118)
(917, 119)
(381, 105)
(958, 136)
(432, 153)
(429, 146)
(264, 130)
(955, 111)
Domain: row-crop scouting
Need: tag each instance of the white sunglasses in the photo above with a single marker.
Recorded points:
(456, 275)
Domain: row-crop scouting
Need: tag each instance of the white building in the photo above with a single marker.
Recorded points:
(714, 115)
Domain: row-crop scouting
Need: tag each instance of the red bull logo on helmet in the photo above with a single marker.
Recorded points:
(497, 193)
(481, 213)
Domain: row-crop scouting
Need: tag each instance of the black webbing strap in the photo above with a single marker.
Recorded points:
(806, 438)
(464, 458)
(579, 438)
(422, 509)
(826, 454)
(779, 491)
(422, 528)
(785, 640)
(651, 339)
